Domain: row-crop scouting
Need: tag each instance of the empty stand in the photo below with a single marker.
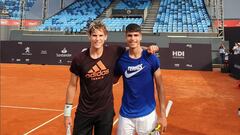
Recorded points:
(133, 4)
(119, 24)
(76, 16)
(182, 16)
(13, 7)
(172, 15)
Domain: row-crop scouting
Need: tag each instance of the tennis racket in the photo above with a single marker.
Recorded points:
(68, 132)
(156, 130)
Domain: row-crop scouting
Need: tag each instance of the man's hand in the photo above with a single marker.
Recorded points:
(68, 121)
(152, 49)
(163, 122)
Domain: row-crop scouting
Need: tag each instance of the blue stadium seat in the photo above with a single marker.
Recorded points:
(183, 16)
(119, 24)
(75, 17)
(13, 7)
(133, 4)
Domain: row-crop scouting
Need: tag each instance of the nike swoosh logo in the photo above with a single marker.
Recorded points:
(128, 75)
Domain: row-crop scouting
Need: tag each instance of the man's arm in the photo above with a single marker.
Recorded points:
(151, 49)
(161, 99)
(115, 79)
(71, 90)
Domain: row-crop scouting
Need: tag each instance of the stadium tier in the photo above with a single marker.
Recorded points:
(12, 7)
(133, 4)
(119, 24)
(182, 16)
(76, 16)
(171, 15)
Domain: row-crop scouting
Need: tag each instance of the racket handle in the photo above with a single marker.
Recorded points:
(68, 132)
(155, 130)
(158, 127)
(169, 105)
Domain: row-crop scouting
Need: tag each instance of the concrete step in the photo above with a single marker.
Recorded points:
(147, 27)
(150, 19)
(147, 31)
(149, 22)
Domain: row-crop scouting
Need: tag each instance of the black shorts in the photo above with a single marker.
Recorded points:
(102, 123)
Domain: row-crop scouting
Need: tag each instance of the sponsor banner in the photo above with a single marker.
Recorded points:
(186, 56)
(53, 53)
(228, 23)
(178, 56)
(11, 53)
(10, 22)
(164, 56)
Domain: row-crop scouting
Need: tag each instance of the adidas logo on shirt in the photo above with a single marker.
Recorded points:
(97, 72)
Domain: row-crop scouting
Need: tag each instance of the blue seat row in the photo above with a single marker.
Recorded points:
(13, 7)
(119, 24)
(133, 4)
(182, 16)
(75, 17)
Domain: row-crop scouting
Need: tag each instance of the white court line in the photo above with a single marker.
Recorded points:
(115, 121)
(30, 108)
(45, 123)
(59, 116)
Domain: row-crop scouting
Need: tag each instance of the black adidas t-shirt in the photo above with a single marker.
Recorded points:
(96, 79)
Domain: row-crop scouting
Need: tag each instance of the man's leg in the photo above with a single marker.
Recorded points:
(145, 124)
(126, 126)
(103, 122)
(82, 125)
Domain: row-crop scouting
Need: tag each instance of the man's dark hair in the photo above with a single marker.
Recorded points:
(133, 28)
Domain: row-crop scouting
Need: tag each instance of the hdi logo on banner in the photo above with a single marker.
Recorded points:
(178, 54)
